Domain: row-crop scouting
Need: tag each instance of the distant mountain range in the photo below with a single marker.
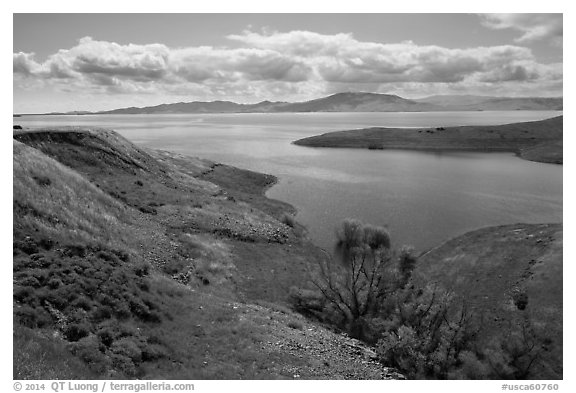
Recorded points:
(354, 102)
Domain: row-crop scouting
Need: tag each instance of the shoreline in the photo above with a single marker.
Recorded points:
(441, 150)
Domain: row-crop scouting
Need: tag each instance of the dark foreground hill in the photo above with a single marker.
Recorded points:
(508, 274)
(536, 141)
(131, 263)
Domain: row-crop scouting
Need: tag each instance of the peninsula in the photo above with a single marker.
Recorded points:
(535, 141)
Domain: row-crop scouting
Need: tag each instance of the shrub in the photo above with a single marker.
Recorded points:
(471, 367)
(142, 269)
(153, 352)
(37, 357)
(376, 237)
(288, 219)
(307, 302)
(295, 325)
(350, 233)
(75, 332)
(75, 251)
(32, 317)
(54, 283)
(123, 364)
(520, 298)
(406, 264)
(175, 266)
(83, 303)
(88, 349)
(517, 353)
(107, 256)
(42, 181)
(21, 294)
(122, 255)
(127, 347)
(428, 334)
(101, 313)
(148, 210)
(29, 281)
(46, 244)
(27, 246)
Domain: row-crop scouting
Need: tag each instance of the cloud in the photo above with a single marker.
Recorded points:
(202, 63)
(276, 65)
(341, 58)
(533, 27)
(114, 67)
(24, 63)
(299, 43)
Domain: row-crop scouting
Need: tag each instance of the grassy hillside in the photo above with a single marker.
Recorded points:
(506, 275)
(137, 264)
(535, 141)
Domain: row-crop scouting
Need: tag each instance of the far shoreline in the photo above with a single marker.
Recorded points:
(559, 112)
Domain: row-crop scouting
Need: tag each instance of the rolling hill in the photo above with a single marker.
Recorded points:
(484, 103)
(350, 102)
(359, 102)
(199, 107)
(508, 274)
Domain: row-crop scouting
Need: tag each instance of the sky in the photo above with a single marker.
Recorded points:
(66, 62)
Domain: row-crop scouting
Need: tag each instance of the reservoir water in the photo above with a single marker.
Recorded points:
(424, 198)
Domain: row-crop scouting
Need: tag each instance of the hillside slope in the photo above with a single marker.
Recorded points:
(507, 273)
(131, 263)
(536, 140)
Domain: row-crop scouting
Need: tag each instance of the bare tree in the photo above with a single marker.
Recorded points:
(355, 285)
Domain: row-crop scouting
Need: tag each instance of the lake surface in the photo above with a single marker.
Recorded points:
(424, 198)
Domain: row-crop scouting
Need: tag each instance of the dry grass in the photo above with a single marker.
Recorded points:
(52, 199)
(39, 357)
(490, 267)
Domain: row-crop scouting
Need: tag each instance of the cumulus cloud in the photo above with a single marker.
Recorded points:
(24, 63)
(277, 65)
(202, 63)
(341, 58)
(532, 26)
